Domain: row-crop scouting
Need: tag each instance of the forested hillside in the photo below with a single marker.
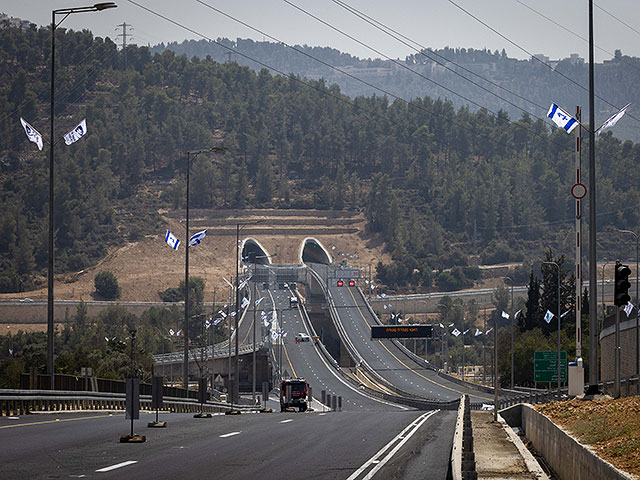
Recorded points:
(466, 76)
(436, 183)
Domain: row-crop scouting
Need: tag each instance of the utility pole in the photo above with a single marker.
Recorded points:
(124, 36)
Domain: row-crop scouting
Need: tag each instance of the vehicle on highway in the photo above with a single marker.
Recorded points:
(293, 394)
(293, 301)
(302, 337)
(26, 300)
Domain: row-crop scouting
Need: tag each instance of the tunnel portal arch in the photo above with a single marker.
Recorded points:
(312, 251)
(254, 253)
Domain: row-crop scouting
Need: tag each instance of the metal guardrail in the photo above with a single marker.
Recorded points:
(21, 402)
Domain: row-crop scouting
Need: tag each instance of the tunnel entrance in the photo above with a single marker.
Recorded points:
(314, 252)
(253, 253)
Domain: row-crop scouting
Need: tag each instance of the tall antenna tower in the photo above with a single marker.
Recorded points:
(124, 36)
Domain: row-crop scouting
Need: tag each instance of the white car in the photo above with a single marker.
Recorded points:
(302, 337)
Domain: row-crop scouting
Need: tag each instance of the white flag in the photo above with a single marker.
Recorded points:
(266, 322)
(244, 302)
(171, 332)
(77, 133)
(613, 119)
(451, 324)
(563, 315)
(32, 134)
(505, 315)
(196, 238)
(274, 335)
(244, 283)
(456, 332)
(178, 333)
(441, 325)
(465, 332)
(487, 332)
(548, 316)
(562, 118)
(171, 240)
(478, 332)
(224, 315)
(207, 324)
(258, 301)
(385, 307)
(515, 317)
(628, 308)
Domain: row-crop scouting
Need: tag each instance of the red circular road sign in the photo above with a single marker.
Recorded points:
(340, 283)
(578, 191)
(352, 283)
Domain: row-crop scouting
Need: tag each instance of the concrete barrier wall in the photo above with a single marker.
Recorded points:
(565, 455)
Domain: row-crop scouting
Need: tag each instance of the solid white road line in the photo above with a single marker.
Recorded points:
(118, 465)
(229, 434)
(401, 438)
(286, 421)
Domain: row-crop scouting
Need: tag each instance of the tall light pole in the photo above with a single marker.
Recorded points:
(637, 306)
(191, 155)
(512, 334)
(558, 270)
(50, 318)
(604, 313)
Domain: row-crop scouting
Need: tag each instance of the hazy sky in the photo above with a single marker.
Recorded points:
(432, 23)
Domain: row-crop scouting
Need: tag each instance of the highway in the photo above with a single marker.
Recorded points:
(383, 356)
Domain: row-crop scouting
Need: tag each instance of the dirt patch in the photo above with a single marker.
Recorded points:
(148, 266)
(610, 427)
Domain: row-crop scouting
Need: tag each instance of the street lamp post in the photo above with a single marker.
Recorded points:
(513, 308)
(50, 318)
(604, 313)
(558, 272)
(637, 306)
(191, 155)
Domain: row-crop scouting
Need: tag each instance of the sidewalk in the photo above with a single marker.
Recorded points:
(499, 453)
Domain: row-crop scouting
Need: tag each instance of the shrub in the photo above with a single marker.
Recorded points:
(106, 285)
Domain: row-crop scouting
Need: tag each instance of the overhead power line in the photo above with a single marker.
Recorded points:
(616, 18)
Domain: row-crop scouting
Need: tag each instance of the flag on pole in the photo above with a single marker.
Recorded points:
(456, 332)
(465, 332)
(171, 332)
(244, 302)
(562, 118)
(505, 315)
(478, 332)
(224, 315)
(628, 308)
(244, 283)
(217, 321)
(563, 315)
(178, 333)
(171, 240)
(77, 133)
(32, 134)
(451, 324)
(207, 324)
(258, 301)
(487, 332)
(232, 314)
(196, 238)
(613, 119)
(548, 316)
(441, 325)
(515, 317)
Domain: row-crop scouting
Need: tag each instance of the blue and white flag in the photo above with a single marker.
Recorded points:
(217, 321)
(207, 324)
(171, 240)
(505, 315)
(628, 308)
(244, 282)
(465, 332)
(224, 315)
(548, 316)
(77, 133)
(32, 134)
(441, 325)
(244, 302)
(613, 119)
(478, 332)
(562, 118)
(171, 332)
(197, 238)
(456, 332)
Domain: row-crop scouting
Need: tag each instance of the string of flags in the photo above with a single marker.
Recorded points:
(174, 333)
(565, 121)
(173, 241)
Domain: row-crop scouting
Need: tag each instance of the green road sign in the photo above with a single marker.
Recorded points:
(545, 366)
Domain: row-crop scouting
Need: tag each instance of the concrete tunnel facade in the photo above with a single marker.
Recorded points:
(254, 253)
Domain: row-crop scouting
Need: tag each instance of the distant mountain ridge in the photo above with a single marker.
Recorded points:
(616, 80)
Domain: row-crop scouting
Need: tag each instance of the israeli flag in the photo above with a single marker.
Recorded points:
(221, 312)
(32, 134)
(244, 283)
(217, 321)
(515, 317)
(456, 332)
(258, 301)
(207, 324)
(171, 240)
(77, 133)
(274, 335)
(613, 119)
(232, 314)
(628, 308)
(441, 325)
(171, 332)
(562, 118)
(478, 332)
(548, 316)
(244, 302)
(505, 315)
(266, 322)
(197, 238)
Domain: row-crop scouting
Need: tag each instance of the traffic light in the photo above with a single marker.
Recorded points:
(621, 287)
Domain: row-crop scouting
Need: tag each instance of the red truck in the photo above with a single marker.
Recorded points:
(293, 393)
